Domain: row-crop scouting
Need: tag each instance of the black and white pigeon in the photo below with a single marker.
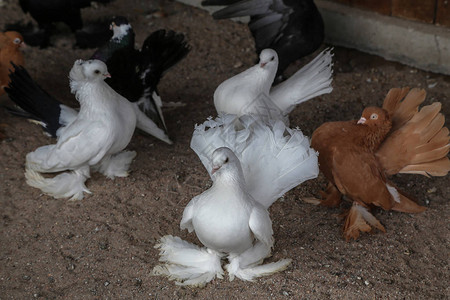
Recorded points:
(293, 28)
(94, 138)
(137, 77)
(251, 91)
(40, 107)
(48, 12)
(230, 224)
(135, 74)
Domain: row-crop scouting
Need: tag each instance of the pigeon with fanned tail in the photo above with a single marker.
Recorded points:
(358, 156)
(274, 158)
(251, 92)
(93, 138)
(230, 223)
(135, 74)
(293, 29)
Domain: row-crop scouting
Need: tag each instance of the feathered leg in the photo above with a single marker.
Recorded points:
(115, 165)
(246, 266)
(187, 263)
(69, 184)
(331, 196)
(356, 220)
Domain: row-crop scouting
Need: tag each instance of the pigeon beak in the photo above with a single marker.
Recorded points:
(23, 45)
(262, 64)
(362, 121)
(215, 169)
(107, 75)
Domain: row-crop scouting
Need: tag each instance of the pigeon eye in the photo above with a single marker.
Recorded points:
(226, 160)
(374, 116)
(273, 57)
(17, 41)
(97, 72)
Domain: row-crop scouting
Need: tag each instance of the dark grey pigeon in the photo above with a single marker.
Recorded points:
(293, 28)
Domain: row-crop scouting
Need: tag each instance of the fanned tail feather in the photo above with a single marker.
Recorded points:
(402, 104)
(187, 263)
(359, 219)
(160, 51)
(274, 158)
(424, 143)
(311, 81)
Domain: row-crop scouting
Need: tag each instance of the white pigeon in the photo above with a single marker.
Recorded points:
(230, 223)
(274, 157)
(94, 137)
(251, 92)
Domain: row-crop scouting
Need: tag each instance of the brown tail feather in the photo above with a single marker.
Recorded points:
(407, 205)
(393, 99)
(440, 140)
(359, 219)
(421, 142)
(401, 111)
(438, 167)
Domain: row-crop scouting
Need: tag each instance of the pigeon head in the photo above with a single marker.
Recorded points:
(268, 59)
(224, 161)
(120, 27)
(374, 117)
(88, 70)
(15, 38)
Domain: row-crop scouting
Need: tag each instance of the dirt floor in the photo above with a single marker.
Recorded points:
(102, 247)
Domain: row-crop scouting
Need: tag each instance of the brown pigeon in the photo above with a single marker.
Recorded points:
(10, 44)
(358, 156)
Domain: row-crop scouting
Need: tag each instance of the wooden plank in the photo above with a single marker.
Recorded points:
(379, 6)
(419, 10)
(443, 13)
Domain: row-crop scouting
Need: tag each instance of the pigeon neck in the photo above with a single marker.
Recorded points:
(91, 96)
(229, 179)
(376, 135)
(123, 32)
(265, 79)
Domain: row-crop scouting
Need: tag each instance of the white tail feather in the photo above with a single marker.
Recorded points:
(274, 158)
(64, 185)
(187, 263)
(311, 81)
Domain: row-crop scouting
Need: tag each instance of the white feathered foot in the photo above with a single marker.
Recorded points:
(187, 263)
(246, 266)
(115, 165)
(64, 185)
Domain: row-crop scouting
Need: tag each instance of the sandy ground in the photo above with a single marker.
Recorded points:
(102, 247)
